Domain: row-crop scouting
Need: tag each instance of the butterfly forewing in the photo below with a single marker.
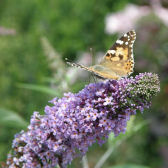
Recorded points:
(122, 50)
(121, 55)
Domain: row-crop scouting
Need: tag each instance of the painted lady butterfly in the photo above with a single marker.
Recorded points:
(118, 61)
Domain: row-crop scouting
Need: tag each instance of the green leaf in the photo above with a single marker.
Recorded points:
(50, 80)
(132, 128)
(129, 166)
(114, 142)
(11, 119)
(41, 88)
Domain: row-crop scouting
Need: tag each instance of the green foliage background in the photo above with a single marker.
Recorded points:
(72, 27)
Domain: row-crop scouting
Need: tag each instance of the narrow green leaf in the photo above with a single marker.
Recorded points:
(50, 80)
(129, 166)
(114, 142)
(132, 128)
(11, 119)
(41, 88)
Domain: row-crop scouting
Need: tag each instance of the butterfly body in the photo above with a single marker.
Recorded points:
(117, 62)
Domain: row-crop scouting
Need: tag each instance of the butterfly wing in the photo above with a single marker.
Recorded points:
(119, 58)
(122, 50)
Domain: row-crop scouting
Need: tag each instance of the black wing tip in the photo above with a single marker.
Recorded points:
(132, 32)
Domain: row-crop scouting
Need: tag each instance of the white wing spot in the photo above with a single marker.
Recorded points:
(126, 43)
(119, 42)
(125, 35)
(111, 51)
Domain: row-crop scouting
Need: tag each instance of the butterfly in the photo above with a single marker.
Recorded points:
(117, 62)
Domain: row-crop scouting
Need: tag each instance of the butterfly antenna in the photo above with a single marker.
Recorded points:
(76, 64)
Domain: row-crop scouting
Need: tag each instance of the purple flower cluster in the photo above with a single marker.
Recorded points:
(76, 121)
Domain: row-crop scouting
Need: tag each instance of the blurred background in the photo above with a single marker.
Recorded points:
(37, 35)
